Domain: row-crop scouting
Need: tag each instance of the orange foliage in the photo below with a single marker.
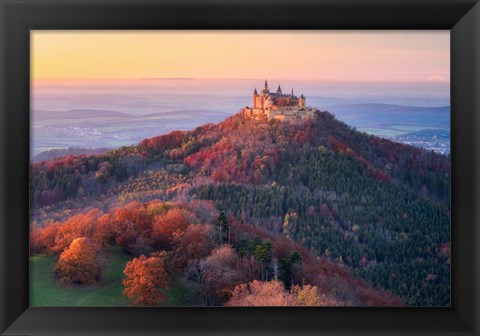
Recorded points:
(79, 263)
(78, 226)
(136, 213)
(129, 223)
(195, 243)
(312, 296)
(258, 293)
(146, 279)
(42, 239)
(174, 222)
(273, 293)
(104, 234)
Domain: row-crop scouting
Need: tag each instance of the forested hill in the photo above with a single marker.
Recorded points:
(379, 207)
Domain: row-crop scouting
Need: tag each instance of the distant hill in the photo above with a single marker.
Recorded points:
(377, 208)
(438, 134)
(371, 115)
(202, 113)
(56, 153)
(75, 114)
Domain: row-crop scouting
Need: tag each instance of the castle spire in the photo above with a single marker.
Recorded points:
(292, 92)
(266, 85)
(255, 92)
(279, 90)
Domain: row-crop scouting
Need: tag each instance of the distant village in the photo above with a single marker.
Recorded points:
(430, 144)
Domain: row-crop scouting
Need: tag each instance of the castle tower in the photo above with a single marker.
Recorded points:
(279, 106)
(301, 101)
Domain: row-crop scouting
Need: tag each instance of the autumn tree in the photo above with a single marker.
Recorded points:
(290, 223)
(258, 293)
(195, 243)
(309, 295)
(146, 279)
(128, 224)
(42, 239)
(126, 233)
(273, 293)
(78, 226)
(104, 234)
(215, 275)
(165, 227)
(79, 263)
(36, 244)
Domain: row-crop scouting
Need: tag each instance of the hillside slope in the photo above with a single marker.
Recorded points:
(376, 207)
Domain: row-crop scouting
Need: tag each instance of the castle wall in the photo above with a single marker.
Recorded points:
(286, 108)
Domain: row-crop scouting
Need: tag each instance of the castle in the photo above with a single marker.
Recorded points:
(281, 106)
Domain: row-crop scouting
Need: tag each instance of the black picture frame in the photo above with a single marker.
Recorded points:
(18, 17)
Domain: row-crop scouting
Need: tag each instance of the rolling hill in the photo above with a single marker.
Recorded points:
(363, 206)
(373, 115)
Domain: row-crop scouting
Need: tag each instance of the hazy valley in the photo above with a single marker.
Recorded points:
(112, 115)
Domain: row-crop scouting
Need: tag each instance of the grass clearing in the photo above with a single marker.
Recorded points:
(45, 290)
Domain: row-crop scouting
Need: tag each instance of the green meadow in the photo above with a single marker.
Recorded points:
(46, 290)
(394, 130)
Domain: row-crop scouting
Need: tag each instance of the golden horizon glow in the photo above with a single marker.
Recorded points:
(390, 56)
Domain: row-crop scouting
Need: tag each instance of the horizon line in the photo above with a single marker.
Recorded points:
(446, 81)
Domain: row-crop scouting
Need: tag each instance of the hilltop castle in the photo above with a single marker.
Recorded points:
(278, 105)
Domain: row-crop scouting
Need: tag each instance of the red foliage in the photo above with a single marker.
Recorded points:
(136, 213)
(338, 145)
(128, 224)
(341, 147)
(301, 136)
(163, 142)
(210, 156)
(195, 243)
(78, 226)
(104, 234)
(42, 239)
(382, 176)
(166, 227)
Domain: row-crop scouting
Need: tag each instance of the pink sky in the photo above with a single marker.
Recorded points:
(392, 56)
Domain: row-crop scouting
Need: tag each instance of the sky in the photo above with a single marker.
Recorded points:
(384, 56)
